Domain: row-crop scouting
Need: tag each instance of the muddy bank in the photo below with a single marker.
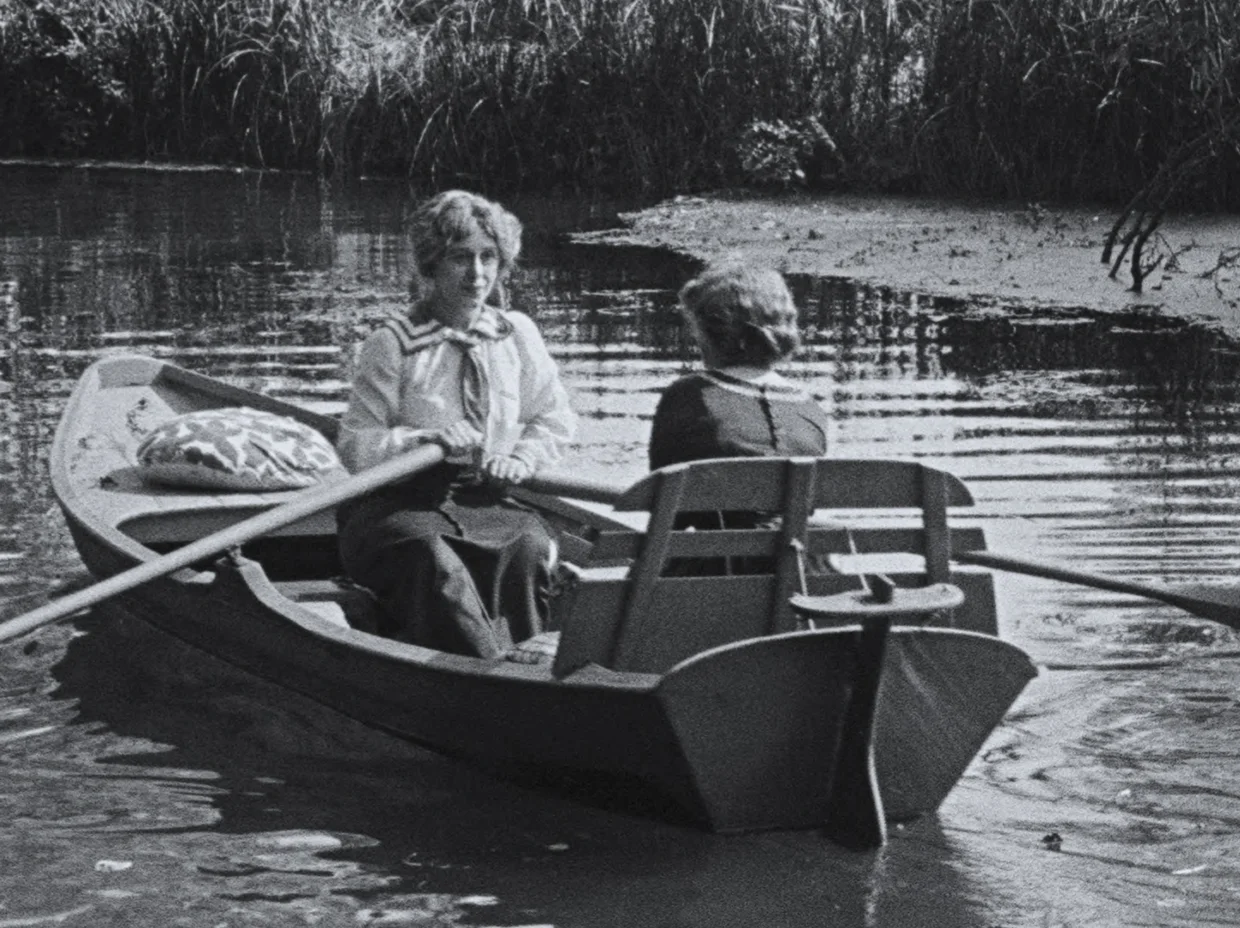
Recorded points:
(1020, 253)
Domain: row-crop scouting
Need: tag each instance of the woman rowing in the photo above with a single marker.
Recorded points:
(456, 564)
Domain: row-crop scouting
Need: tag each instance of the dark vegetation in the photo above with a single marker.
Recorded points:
(1132, 102)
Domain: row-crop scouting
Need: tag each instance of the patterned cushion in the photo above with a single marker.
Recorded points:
(237, 449)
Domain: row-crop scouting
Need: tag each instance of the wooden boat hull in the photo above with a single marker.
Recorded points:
(743, 736)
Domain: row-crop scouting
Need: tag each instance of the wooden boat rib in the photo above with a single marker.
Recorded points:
(719, 700)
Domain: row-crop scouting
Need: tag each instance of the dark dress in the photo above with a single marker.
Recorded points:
(456, 565)
(711, 415)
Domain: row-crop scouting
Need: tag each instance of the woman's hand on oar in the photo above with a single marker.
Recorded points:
(301, 505)
(1219, 604)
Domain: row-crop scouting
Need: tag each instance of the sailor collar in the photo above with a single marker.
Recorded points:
(416, 332)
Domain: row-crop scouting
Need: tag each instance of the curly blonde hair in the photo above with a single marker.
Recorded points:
(746, 313)
(451, 216)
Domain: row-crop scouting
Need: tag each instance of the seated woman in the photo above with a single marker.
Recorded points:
(744, 323)
(456, 564)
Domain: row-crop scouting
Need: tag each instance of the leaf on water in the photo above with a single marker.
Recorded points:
(56, 918)
(112, 866)
(302, 841)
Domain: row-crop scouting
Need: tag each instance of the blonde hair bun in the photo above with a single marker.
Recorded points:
(747, 313)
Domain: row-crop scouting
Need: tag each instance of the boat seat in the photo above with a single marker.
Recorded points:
(336, 599)
(832, 512)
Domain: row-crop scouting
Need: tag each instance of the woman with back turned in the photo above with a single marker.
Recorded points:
(745, 324)
(456, 564)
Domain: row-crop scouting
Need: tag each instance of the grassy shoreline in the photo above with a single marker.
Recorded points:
(1067, 100)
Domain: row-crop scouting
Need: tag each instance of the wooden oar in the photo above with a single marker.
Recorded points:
(303, 504)
(1218, 604)
(558, 485)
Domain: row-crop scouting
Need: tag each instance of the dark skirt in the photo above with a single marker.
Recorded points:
(456, 566)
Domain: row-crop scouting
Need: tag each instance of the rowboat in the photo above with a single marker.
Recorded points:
(770, 697)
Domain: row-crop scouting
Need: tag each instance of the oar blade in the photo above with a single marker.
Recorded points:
(1218, 603)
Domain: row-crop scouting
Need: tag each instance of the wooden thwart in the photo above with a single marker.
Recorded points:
(1218, 603)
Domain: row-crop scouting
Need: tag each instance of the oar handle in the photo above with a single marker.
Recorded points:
(303, 504)
(574, 488)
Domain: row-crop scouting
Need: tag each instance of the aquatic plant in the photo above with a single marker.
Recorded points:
(1038, 99)
(1083, 98)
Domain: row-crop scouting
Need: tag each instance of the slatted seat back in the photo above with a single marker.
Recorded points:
(647, 620)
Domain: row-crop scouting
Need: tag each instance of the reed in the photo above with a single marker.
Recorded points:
(1056, 99)
(1083, 99)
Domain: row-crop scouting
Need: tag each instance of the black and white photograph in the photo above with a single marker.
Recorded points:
(620, 463)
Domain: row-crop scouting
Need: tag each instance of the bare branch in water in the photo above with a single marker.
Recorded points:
(1226, 261)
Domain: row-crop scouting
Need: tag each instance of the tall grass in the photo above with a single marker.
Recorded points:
(1084, 98)
(1077, 99)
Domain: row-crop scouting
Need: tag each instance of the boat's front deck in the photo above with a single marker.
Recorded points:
(102, 471)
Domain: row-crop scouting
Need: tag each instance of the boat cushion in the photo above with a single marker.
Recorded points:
(237, 448)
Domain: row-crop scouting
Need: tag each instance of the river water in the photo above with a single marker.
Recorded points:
(172, 791)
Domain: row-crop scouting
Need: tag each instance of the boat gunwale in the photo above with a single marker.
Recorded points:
(267, 591)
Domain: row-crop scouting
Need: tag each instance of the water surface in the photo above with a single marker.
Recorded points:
(172, 790)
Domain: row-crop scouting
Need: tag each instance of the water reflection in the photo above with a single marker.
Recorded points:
(296, 811)
(1105, 440)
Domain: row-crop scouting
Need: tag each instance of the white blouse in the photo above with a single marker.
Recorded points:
(411, 381)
